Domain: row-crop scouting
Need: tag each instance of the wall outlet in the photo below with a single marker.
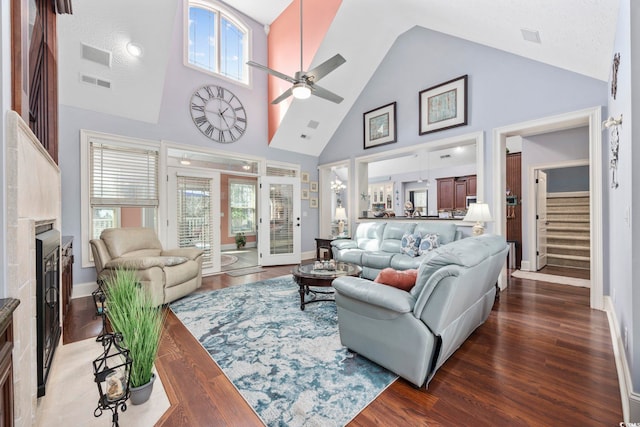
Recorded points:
(625, 338)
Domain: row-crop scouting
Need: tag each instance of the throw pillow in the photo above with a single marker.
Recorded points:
(428, 243)
(409, 244)
(401, 279)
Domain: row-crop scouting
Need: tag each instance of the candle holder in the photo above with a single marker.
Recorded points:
(99, 301)
(112, 372)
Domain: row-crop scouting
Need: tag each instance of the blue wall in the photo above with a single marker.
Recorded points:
(568, 179)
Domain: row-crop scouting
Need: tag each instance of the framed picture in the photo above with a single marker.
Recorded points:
(304, 176)
(313, 186)
(313, 202)
(304, 193)
(443, 106)
(380, 126)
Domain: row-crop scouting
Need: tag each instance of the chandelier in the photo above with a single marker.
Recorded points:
(337, 186)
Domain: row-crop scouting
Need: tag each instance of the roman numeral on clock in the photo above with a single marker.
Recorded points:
(200, 120)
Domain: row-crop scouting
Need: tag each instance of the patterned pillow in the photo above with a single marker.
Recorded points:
(429, 242)
(410, 243)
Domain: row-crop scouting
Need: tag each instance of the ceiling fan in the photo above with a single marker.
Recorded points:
(304, 83)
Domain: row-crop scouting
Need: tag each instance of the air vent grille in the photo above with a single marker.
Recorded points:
(99, 56)
(95, 81)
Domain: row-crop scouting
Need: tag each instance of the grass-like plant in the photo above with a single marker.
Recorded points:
(133, 314)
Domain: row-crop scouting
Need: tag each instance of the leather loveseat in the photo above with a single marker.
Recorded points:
(378, 245)
(413, 333)
(167, 274)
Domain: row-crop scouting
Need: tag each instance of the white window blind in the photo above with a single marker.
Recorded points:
(281, 171)
(281, 221)
(123, 176)
(242, 206)
(194, 215)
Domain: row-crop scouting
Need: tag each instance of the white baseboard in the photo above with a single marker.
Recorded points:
(630, 399)
(83, 289)
(525, 265)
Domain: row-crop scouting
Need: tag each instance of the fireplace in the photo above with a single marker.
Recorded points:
(47, 300)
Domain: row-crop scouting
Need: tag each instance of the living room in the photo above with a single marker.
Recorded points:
(505, 89)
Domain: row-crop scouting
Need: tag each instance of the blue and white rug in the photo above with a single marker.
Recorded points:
(287, 363)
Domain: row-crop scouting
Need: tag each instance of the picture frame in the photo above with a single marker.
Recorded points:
(304, 193)
(313, 202)
(443, 106)
(304, 177)
(313, 186)
(379, 126)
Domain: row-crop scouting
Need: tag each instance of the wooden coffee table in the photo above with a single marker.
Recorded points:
(307, 276)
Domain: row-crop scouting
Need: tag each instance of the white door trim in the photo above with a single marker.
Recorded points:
(591, 117)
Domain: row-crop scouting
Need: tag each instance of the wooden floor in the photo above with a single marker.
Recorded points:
(543, 358)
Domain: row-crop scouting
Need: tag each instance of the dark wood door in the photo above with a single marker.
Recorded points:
(445, 194)
(514, 212)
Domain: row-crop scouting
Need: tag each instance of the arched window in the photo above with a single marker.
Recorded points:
(216, 41)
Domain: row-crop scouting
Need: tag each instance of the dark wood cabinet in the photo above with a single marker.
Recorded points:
(453, 192)
(7, 307)
(446, 191)
(514, 211)
(66, 263)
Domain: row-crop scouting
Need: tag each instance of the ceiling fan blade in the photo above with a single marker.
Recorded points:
(325, 94)
(325, 68)
(287, 93)
(272, 72)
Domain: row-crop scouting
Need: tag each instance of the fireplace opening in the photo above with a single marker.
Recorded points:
(47, 300)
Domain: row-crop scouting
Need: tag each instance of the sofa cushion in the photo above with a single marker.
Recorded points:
(401, 279)
(428, 242)
(393, 234)
(446, 231)
(369, 235)
(353, 256)
(405, 262)
(410, 244)
(377, 259)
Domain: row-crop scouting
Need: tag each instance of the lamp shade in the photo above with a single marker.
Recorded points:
(478, 212)
(301, 91)
(341, 214)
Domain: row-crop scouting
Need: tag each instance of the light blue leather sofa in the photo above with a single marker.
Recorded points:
(413, 333)
(376, 245)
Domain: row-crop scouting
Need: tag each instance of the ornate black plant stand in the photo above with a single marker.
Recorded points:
(99, 299)
(112, 372)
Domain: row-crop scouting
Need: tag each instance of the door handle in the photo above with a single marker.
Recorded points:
(298, 225)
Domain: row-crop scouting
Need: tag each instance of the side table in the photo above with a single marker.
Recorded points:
(323, 244)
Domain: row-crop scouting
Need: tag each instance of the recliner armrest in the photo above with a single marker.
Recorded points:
(190, 253)
(374, 293)
(142, 263)
(344, 244)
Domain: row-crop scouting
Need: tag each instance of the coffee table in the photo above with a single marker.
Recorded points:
(307, 276)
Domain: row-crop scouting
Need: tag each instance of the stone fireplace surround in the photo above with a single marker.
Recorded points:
(33, 194)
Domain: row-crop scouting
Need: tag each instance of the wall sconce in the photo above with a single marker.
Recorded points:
(614, 142)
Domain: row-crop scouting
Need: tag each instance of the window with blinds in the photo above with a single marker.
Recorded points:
(123, 186)
(281, 171)
(194, 215)
(242, 206)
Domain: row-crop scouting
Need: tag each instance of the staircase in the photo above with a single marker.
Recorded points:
(568, 234)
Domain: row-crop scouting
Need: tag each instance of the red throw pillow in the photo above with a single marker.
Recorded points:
(401, 279)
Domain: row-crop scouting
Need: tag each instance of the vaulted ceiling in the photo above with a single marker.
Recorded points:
(576, 35)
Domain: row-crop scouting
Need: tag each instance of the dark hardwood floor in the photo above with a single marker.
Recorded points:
(542, 358)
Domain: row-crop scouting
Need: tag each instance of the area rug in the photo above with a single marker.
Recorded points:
(288, 364)
(561, 280)
(227, 260)
(245, 271)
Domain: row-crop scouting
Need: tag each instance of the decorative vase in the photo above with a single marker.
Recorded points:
(141, 394)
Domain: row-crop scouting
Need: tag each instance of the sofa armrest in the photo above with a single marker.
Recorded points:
(344, 244)
(190, 253)
(143, 263)
(376, 294)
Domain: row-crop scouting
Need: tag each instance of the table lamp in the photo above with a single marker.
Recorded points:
(478, 212)
(341, 215)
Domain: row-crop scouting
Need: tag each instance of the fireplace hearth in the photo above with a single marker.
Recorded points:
(47, 300)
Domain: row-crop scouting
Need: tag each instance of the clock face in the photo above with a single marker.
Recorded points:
(218, 114)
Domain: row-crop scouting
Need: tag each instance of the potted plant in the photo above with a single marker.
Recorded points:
(241, 240)
(132, 313)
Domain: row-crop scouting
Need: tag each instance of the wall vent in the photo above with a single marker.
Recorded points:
(313, 124)
(531, 35)
(99, 56)
(95, 81)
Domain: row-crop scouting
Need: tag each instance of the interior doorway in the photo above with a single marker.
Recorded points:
(592, 118)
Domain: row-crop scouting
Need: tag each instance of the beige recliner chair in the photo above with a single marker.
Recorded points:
(168, 275)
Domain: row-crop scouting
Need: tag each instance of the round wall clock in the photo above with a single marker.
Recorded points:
(218, 113)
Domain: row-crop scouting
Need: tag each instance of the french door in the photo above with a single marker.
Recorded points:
(280, 222)
(194, 214)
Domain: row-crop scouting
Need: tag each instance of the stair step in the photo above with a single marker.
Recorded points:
(559, 201)
(584, 265)
(571, 257)
(567, 227)
(568, 209)
(569, 236)
(570, 247)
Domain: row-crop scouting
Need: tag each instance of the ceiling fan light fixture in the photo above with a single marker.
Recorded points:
(301, 91)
